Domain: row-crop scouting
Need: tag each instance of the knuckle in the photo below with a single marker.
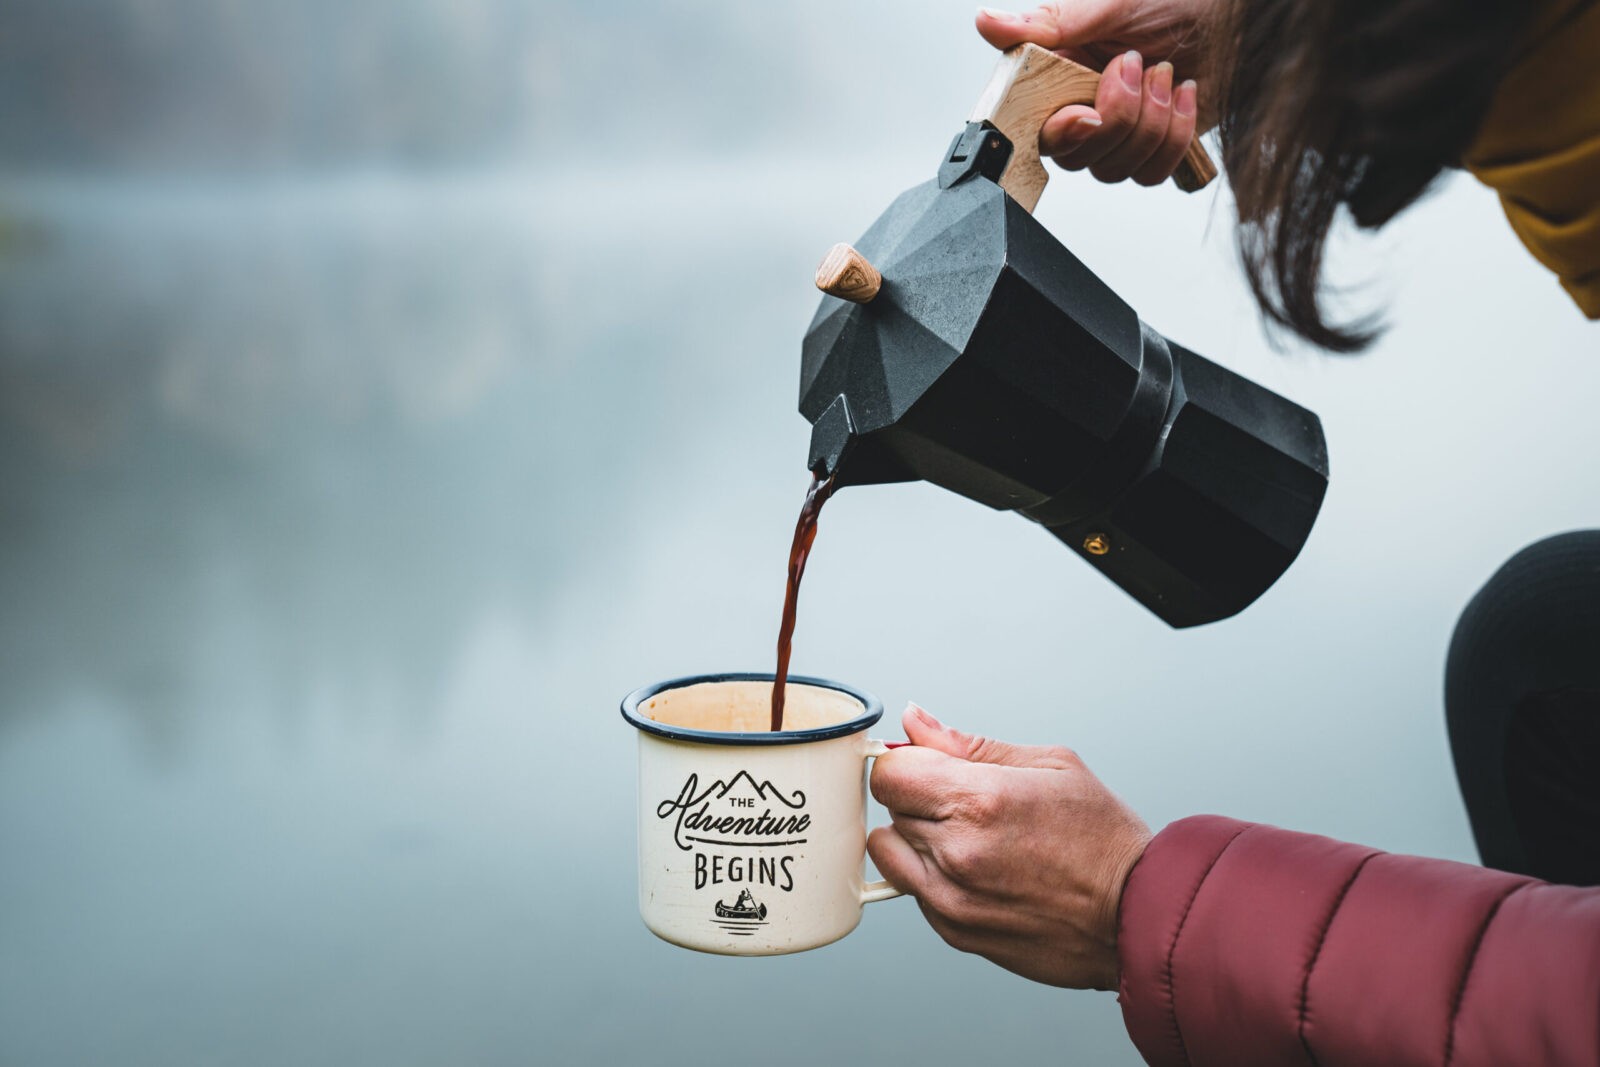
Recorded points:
(980, 807)
(963, 939)
(1110, 174)
(1146, 140)
(887, 780)
(961, 908)
(940, 797)
(957, 939)
(953, 935)
(1119, 125)
(964, 858)
(1053, 145)
(941, 900)
(889, 859)
(1061, 753)
(981, 749)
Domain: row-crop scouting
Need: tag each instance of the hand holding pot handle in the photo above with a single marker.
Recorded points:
(1028, 86)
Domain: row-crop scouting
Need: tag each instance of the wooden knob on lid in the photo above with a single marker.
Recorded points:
(846, 274)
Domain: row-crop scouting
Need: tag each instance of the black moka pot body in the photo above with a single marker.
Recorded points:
(993, 363)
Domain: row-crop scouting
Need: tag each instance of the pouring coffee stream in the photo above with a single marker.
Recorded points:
(805, 532)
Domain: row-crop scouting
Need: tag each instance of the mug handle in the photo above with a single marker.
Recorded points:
(881, 889)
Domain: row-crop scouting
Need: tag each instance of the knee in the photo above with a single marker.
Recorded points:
(1535, 624)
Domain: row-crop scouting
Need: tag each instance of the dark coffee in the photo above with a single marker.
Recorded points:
(805, 532)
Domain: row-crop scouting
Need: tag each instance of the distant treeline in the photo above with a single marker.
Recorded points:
(224, 84)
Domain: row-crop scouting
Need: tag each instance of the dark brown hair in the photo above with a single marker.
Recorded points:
(1355, 104)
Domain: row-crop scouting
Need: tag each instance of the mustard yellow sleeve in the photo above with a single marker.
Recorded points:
(1539, 147)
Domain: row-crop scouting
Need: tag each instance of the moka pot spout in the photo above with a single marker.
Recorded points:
(850, 458)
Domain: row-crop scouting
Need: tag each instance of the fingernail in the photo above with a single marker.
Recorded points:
(1161, 83)
(896, 744)
(921, 713)
(998, 15)
(1132, 72)
(1188, 98)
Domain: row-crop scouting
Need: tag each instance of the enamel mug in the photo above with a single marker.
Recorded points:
(753, 843)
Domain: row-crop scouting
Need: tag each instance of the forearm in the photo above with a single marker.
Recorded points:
(1247, 944)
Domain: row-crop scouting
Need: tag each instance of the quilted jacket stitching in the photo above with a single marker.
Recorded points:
(1311, 963)
(1166, 976)
(1466, 970)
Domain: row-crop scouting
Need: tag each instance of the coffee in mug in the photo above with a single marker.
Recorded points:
(752, 842)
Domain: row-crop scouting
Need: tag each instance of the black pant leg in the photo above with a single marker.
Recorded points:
(1522, 701)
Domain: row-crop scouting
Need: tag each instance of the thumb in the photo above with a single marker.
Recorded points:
(927, 732)
(1057, 25)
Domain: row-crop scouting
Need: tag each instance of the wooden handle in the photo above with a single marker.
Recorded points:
(1029, 85)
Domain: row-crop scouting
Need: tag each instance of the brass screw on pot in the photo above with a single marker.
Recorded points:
(1097, 544)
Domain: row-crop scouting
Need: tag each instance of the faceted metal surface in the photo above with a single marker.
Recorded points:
(939, 252)
(1223, 506)
(995, 364)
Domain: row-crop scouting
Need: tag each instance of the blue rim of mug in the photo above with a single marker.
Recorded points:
(873, 711)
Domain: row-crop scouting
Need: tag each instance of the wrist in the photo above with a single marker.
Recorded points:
(1122, 860)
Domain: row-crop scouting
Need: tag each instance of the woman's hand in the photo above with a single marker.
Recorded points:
(1018, 854)
(1147, 110)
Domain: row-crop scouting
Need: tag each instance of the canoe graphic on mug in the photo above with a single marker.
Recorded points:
(746, 907)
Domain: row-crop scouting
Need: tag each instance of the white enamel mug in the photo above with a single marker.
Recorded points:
(753, 843)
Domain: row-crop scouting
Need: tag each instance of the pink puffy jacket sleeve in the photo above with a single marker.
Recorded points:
(1248, 945)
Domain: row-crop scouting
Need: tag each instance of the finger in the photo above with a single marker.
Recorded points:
(1117, 101)
(919, 833)
(1067, 129)
(1093, 57)
(1050, 25)
(905, 868)
(927, 733)
(1149, 133)
(964, 937)
(945, 904)
(1180, 133)
(922, 782)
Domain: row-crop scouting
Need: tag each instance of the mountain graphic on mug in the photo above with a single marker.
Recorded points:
(746, 907)
(744, 781)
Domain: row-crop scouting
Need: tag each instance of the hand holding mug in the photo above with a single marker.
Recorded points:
(1015, 853)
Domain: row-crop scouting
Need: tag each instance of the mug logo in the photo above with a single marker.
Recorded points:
(739, 825)
(742, 916)
(740, 813)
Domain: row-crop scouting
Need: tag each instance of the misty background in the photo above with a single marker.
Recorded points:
(386, 388)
